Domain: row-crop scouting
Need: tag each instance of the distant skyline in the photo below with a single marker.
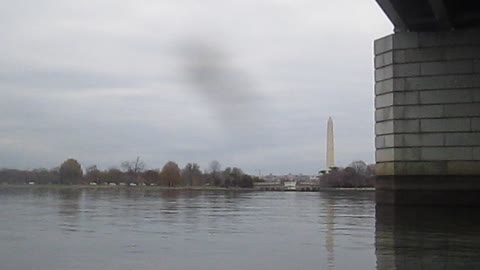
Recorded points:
(248, 83)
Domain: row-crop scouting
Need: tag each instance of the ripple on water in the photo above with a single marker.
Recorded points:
(113, 230)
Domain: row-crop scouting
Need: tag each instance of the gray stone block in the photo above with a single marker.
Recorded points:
(462, 139)
(435, 54)
(382, 155)
(385, 127)
(406, 70)
(475, 124)
(431, 111)
(379, 142)
(398, 154)
(417, 140)
(447, 67)
(405, 98)
(384, 168)
(408, 140)
(476, 66)
(389, 141)
(422, 83)
(412, 168)
(407, 154)
(473, 35)
(467, 52)
(447, 153)
(419, 55)
(446, 96)
(383, 45)
(408, 112)
(476, 95)
(384, 73)
(402, 56)
(416, 112)
(447, 38)
(406, 126)
(421, 168)
(384, 59)
(383, 114)
(405, 40)
(425, 111)
(463, 167)
(462, 110)
(390, 85)
(432, 139)
(384, 141)
(384, 87)
(445, 125)
(385, 100)
(442, 82)
(476, 153)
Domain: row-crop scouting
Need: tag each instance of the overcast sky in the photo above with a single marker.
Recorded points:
(250, 83)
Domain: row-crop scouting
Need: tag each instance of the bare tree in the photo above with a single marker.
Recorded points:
(152, 176)
(237, 172)
(215, 166)
(92, 174)
(232, 176)
(214, 169)
(359, 167)
(191, 174)
(133, 168)
(357, 174)
(113, 175)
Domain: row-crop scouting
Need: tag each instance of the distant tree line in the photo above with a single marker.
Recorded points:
(70, 172)
(356, 175)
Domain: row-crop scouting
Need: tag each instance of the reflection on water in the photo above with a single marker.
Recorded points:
(69, 202)
(329, 237)
(427, 238)
(111, 229)
(69, 207)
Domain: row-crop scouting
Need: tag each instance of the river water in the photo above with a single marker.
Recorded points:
(130, 228)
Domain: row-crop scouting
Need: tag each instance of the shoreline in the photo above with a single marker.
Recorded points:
(61, 186)
(192, 188)
(348, 189)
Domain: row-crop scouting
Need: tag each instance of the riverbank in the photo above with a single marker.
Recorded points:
(53, 186)
(146, 187)
(349, 189)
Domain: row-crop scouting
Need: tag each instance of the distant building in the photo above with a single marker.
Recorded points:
(289, 182)
(290, 185)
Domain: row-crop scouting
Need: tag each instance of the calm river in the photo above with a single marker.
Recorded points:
(116, 229)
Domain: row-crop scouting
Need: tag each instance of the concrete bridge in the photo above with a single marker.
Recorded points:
(427, 87)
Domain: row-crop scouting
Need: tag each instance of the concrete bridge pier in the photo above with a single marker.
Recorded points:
(427, 100)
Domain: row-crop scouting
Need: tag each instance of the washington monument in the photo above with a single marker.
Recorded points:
(330, 145)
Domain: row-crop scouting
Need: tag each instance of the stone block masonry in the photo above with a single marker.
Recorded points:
(427, 100)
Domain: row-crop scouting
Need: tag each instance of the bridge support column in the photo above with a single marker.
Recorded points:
(427, 88)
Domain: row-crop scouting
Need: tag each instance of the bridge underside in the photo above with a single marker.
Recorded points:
(431, 15)
(427, 87)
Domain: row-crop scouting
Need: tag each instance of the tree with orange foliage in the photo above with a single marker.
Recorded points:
(170, 174)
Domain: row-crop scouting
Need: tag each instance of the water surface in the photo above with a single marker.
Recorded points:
(115, 229)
